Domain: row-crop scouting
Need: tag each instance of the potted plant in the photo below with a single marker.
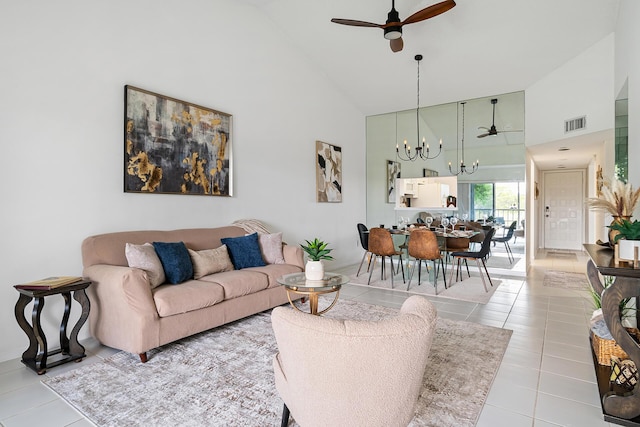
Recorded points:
(616, 198)
(316, 251)
(627, 238)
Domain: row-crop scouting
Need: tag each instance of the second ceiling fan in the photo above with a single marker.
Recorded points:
(393, 27)
(492, 130)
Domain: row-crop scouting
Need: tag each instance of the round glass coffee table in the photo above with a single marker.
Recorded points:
(298, 283)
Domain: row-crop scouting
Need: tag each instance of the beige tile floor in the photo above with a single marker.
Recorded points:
(546, 377)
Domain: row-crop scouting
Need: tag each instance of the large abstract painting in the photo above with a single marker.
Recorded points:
(393, 172)
(175, 147)
(328, 172)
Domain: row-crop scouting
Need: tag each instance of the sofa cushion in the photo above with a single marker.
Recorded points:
(271, 247)
(273, 271)
(190, 295)
(244, 251)
(209, 261)
(145, 258)
(175, 260)
(237, 283)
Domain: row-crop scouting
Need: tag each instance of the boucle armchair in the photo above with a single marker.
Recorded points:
(333, 372)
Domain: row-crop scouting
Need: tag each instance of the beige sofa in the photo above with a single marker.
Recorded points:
(127, 313)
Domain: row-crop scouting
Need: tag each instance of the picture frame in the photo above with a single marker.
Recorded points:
(328, 173)
(393, 172)
(427, 173)
(175, 147)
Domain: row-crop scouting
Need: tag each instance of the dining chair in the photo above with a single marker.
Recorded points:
(505, 239)
(360, 373)
(381, 245)
(363, 232)
(478, 256)
(423, 246)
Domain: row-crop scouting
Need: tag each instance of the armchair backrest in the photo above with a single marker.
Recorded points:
(333, 372)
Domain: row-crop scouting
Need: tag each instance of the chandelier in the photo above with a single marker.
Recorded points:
(421, 151)
(463, 168)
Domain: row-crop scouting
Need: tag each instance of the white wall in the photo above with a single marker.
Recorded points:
(64, 65)
(581, 86)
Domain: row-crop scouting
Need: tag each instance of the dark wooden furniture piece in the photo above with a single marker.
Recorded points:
(35, 357)
(618, 408)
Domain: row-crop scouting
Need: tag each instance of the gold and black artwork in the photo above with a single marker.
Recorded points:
(175, 147)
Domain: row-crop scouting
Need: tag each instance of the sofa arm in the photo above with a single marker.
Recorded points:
(123, 313)
(293, 255)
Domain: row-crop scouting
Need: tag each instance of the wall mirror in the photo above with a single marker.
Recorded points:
(501, 156)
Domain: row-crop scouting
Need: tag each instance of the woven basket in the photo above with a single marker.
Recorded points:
(604, 349)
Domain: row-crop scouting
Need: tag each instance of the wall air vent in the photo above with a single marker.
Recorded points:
(575, 124)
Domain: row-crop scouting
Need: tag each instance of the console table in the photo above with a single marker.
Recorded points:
(35, 357)
(618, 408)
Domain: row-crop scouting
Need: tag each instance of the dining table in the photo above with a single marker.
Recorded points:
(443, 236)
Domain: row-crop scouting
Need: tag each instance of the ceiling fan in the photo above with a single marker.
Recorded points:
(492, 130)
(393, 27)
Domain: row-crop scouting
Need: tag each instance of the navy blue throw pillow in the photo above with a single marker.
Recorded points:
(175, 260)
(244, 251)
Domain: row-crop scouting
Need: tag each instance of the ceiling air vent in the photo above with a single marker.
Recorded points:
(575, 124)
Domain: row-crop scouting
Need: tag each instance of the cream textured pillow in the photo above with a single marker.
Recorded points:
(210, 261)
(145, 258)
(271, 246)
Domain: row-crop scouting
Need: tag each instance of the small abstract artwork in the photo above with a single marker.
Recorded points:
(393, 172)
(328, 172)
(175, 147)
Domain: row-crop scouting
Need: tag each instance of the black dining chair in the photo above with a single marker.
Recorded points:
(363, 232)
(505, 239)
(478, 256)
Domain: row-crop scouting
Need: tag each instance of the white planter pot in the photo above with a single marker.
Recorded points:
(625, 248)
(314, 270)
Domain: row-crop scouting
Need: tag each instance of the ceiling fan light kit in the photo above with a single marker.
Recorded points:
(393, 26)
(493, 131)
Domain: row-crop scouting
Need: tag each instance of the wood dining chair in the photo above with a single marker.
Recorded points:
(381, 245)
(423, 247)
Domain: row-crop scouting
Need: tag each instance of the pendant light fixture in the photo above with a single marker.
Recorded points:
(463, 168)
(421, 151)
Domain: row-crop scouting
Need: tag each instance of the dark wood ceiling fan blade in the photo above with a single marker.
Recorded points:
(430, 12)
(483, 135)
(356, 23)
(396, 44)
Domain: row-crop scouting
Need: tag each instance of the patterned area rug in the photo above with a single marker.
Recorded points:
(224, 377)
(564, 255)
(469, 289)
(565, 280)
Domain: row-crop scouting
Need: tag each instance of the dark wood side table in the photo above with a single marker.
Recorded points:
(35, 357)
(623, 409)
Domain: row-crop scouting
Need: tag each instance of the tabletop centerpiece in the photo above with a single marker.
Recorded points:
(316, 251)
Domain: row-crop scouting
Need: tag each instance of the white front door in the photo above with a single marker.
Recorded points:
(563, 209)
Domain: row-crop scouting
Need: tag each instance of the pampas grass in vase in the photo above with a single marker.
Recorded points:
(616, 198)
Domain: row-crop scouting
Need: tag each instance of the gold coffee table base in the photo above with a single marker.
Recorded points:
(313, 299)
(297, 283)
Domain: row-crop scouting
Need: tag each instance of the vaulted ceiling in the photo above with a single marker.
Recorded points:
(480, 48)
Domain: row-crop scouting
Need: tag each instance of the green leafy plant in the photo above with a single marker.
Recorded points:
(626, 230)
(597, 299)
(317, 250)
